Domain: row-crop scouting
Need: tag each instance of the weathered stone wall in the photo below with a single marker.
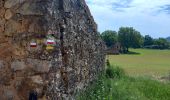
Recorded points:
(50, 46)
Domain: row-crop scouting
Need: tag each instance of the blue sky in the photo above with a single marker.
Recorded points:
(147, 16)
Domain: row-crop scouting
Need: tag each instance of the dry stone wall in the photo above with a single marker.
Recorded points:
(48, 46)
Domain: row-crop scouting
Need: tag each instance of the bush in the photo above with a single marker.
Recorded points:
(98, 90)
(101, 89)
(114, 71)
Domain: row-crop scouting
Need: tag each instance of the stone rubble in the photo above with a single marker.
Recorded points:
(72, 58)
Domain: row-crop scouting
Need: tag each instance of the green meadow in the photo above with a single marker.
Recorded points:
(141, 62)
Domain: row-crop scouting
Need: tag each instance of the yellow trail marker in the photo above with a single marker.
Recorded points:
(49, 47)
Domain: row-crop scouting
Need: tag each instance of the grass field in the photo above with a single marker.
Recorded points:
(143, 62)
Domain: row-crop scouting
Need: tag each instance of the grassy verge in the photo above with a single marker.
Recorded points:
(97, 91)
(125, 88)
(129, 88)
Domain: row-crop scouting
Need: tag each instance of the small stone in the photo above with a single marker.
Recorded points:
(58, 75)
(63, 26)
(37, 79)
(8, 14)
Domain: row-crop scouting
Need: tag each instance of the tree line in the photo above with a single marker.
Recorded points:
(129, 37)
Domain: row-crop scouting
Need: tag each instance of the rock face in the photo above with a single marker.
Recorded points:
(49, 46)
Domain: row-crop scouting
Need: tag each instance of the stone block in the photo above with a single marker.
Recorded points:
(11, 3)
(18, 65)
(31, 8)
(40, 66)
(12, 27)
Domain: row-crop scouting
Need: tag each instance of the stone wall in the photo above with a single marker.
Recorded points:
(49, 46)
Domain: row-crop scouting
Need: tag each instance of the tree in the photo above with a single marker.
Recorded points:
(148, 40)
(168, 39)
(109, 37)
(162, 43)
(136, 40)
(129, 37)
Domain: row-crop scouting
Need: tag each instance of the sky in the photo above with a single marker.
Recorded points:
(150, 17)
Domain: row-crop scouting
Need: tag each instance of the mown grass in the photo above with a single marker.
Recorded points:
(125, 88)
(143, 62)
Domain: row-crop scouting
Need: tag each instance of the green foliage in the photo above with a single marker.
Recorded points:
(136, 39)
(129, 37)
(126, 88)
(109, 37)
(96, 91)
(162, 43)
(114, 72)
(140, 88)
(108, 63)
(148, 40)
(100, 89)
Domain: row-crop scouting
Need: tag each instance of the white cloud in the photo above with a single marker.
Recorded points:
(144, 15)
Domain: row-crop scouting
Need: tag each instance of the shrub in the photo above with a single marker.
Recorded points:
(114, 71)
(98, 90)
(101, 89)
